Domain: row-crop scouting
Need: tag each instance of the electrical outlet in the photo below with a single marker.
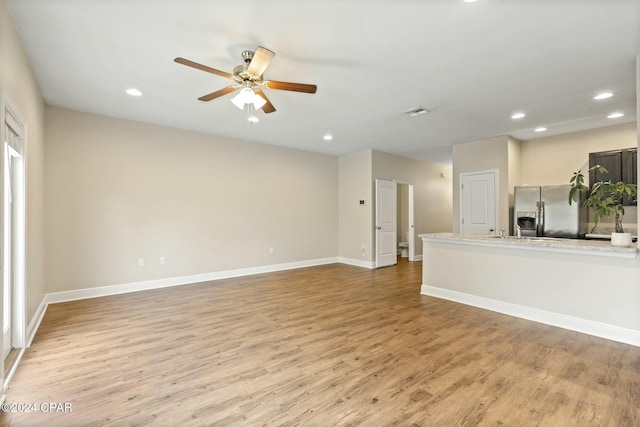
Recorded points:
(364, 252)
(272, 250)
(140, 262)
(162, 260)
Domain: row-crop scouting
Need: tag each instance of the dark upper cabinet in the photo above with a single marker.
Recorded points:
(622, 165)
(630, 166)
(611, 161)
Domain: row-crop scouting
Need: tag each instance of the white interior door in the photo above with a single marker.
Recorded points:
(478, 202)
(386, 223)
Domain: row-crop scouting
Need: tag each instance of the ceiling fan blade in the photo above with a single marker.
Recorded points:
(295, 87)
(189, 63)
(268, 106)
(260, 61)
(218, 93)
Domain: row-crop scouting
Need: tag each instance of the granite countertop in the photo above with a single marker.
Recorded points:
(548, 244)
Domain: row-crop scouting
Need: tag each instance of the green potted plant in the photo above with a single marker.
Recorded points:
(606, 199)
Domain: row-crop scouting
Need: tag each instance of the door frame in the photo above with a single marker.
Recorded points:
(412, 226)
(495, 196)
(9, 115)
(411, 209)
(14, 255)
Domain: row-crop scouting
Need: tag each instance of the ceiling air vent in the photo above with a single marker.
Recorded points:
(418, 111)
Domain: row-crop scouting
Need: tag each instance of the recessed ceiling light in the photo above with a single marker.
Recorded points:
(327, 137)
(603, 95)
(540, 129)
(615, 115)
(134, 92)
(470, 1)
(518, 115)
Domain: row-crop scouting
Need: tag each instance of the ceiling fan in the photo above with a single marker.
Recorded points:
(249, 79)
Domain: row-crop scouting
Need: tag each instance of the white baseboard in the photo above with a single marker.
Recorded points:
(57, 297)
(357, 262)
(590, 327)
(78, 294)
(13, 368)
(33, 326)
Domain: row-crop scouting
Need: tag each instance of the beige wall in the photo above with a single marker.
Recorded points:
(118, 190)
(552, 160)
(487, 154)
(356, 221)
(431, 192)
(358, 172)
(17, 79)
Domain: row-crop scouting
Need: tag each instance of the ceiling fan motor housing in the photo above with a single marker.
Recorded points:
(247, 56)
(240, 73)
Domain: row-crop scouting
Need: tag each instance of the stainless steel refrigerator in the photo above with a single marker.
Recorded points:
(544, 211)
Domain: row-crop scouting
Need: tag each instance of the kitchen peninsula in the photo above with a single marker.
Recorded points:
(583, 285)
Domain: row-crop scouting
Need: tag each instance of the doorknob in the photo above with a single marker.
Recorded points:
(378, 228)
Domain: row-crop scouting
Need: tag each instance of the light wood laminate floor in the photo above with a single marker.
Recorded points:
(332, 345)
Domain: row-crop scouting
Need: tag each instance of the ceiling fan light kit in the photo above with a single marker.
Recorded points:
(249, 79)
(248, 96)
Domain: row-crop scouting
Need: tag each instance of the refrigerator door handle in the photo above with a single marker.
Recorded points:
(541, 219)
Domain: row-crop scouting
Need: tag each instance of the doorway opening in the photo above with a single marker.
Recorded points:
(393, 221)
(406, 230)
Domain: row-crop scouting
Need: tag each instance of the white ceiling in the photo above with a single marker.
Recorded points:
(472, 64)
